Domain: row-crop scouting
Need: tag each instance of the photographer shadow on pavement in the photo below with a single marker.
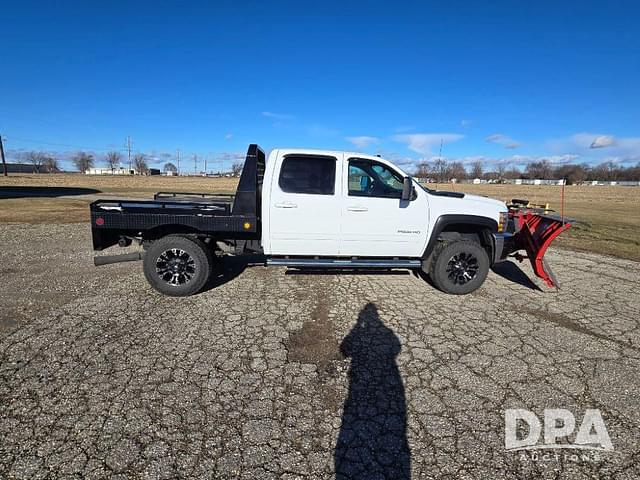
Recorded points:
(372, 443)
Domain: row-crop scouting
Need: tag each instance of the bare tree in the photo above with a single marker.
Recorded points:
(501, 168)
(50, 164)
(140, 164)
(457, 171)
(476, 169)
(36, 159)
(83, 161)
(236, 168)
(422, 170)
(512, 173)
(113, 160)
(441, 171)
(170, 167)
(541, 169)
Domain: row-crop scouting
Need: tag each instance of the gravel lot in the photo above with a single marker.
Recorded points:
(279, 375)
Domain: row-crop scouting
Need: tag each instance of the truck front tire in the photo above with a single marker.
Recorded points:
(459, 267)
(178, 266)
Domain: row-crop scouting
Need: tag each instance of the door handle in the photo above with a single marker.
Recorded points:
(285, 205)
(358, 209)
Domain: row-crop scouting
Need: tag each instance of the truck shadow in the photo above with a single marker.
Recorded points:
(372, 442)
(512, 272)
(44, 192)
(226, 269)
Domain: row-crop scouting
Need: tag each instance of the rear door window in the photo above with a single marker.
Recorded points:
(310, 174)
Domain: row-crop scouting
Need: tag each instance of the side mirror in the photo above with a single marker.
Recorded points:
(407, 189)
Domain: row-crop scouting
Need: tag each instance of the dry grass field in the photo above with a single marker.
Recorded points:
(609, 217)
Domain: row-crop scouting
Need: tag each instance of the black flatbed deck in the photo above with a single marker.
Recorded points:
(221, 216)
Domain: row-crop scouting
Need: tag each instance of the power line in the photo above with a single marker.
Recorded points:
(43, 142)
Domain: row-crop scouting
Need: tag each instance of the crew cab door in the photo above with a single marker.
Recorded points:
(375, 221)
(304, 205)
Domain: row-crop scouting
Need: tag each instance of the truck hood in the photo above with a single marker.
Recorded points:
(486, 201)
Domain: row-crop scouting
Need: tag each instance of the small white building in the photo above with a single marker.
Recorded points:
(109, 171)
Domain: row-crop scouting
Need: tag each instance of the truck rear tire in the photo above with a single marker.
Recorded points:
(459, 267)
(177, 265)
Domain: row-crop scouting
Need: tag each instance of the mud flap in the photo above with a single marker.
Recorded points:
(534, 233)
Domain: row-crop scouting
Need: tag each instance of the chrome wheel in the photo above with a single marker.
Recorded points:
(462, 268)
(175, 267)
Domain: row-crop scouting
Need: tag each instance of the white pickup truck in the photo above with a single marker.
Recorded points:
(316, 209)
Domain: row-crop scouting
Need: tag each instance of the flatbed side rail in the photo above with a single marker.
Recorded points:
(163, 195)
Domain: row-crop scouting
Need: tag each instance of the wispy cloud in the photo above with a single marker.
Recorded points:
(363, 141)
(505, 141)
(598, 147)
(318, 130)
(424, 143)
(603, 141)
(465, 123)
(278, 116)
(404, 128)
(228, 136)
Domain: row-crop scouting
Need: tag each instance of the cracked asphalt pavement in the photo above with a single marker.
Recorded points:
(276, 374)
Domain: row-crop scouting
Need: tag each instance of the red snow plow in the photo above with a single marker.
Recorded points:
(534, 228)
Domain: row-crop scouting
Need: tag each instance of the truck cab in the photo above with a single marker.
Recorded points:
(347, 204)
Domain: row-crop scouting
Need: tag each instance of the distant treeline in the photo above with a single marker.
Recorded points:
(442, 171)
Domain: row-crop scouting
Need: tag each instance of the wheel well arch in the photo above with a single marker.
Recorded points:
(458, 227)
(160, 231)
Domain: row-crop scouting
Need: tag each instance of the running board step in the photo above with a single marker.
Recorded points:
(346, 263)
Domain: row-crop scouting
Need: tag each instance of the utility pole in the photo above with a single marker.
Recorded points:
(205, 164)
(4, 164)
(129, 151)
(178, 157)
(195, 164)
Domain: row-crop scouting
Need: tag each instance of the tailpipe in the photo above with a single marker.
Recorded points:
(108, 259)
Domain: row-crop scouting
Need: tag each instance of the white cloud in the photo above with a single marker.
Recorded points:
(603, 141)
(278, 116)
(505, 141)
(318, 130)
(404, 128)
(630, 160)
(362, 141)
(228, 136)
(465, 123)
(596, 146)
(423, 143)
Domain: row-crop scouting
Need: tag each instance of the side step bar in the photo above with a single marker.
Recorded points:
(339, 263)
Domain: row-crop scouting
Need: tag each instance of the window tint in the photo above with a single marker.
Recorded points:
(308, 174)
(371, 179)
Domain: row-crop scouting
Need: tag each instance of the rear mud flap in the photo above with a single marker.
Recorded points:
(534, 233)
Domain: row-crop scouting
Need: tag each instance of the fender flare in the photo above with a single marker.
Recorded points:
(443, 221)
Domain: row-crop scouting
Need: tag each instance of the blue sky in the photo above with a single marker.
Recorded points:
(504, 81)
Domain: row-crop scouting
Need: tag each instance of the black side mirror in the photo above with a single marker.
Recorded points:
(407, 190)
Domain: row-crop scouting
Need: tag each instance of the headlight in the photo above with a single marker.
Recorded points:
(502, 221)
